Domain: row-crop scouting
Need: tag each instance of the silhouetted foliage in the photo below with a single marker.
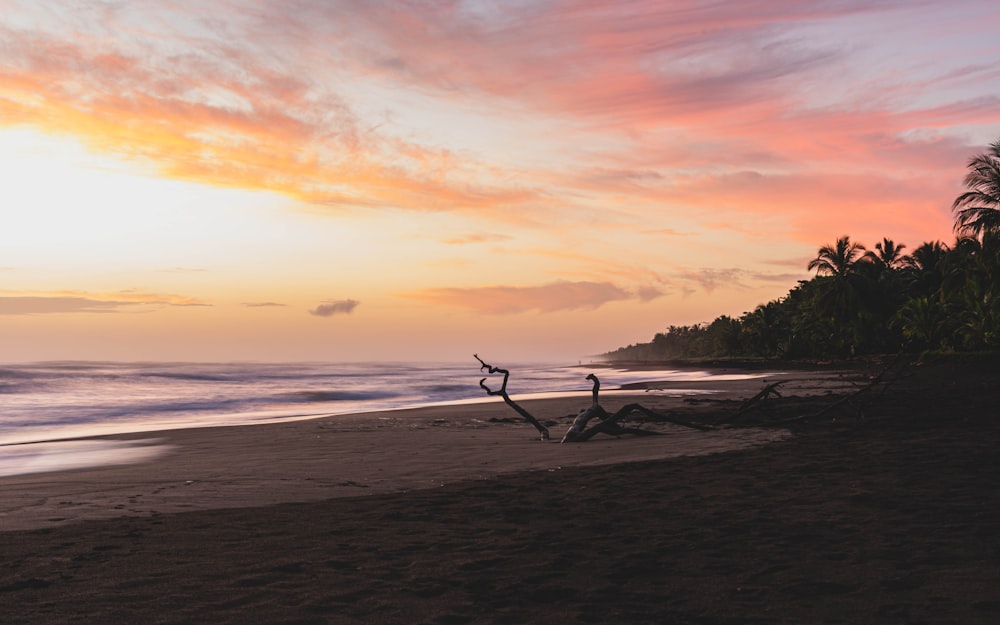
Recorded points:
(867, 302)
(977, 211)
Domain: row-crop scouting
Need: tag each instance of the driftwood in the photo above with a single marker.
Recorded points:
(578, 432)
(856, 400)
(510, 402)
(759, 401)
(610, 423)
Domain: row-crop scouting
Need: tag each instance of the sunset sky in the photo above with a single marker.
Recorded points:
(529, 180)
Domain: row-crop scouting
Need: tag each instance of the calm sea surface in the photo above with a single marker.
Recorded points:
(60, 400)
(43, 401)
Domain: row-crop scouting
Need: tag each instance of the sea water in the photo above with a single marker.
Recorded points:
(53, 401)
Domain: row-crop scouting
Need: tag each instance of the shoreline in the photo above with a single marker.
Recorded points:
(332, 457)
(165, 408)
(717, 386)
(152, 472)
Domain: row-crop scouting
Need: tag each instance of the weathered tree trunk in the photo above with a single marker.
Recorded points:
(575, 431)
(609, 423)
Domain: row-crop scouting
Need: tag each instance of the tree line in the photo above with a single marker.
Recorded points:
(870, 301)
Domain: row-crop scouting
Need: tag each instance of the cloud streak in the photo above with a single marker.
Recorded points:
(335, 307)
(76, 302)
(547, 298)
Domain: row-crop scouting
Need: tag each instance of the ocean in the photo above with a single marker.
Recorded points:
(53, 401)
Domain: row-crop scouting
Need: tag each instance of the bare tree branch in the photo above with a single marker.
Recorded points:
(510, 402)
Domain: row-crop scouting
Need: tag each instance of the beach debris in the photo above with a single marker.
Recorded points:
(502, 392)
(578, 432)
(611, 423)
(769, 407)
(759, 401)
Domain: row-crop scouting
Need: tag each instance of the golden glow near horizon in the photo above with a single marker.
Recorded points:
(541, 181)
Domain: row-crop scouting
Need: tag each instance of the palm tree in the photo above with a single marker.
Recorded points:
(840, 291)
(927, 258)
(838, 259)
(972, 289)
(923, 270)
(978, 209)
(889, 256)
(923, 321)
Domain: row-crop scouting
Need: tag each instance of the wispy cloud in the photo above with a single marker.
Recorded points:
(665, 232)
(710, 279)
(262, 304)
(676, 96)
(220, 115)
(649, 293)
(477, 238)
(330, 308)
(547, 298)
(183, 270)
(28, 305)
(77, 302)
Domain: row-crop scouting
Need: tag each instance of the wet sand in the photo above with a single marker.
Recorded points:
(459, 515)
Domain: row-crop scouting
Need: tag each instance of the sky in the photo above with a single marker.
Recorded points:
(331, 180)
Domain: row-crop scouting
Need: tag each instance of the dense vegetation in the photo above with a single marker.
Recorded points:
(937, 297)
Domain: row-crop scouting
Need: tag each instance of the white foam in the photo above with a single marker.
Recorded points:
(76, 454)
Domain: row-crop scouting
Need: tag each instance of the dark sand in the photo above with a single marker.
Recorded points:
(892, 520)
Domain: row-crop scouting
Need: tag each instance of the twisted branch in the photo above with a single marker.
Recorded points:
(510, 402)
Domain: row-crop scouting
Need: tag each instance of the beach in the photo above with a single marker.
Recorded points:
(459, 514)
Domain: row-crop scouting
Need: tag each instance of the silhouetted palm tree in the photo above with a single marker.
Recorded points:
(840, 291)
(838, 259)
(927, 257)
(971, 288)
(889, 256)
(978, 210)
(923, 270)
(923, 322)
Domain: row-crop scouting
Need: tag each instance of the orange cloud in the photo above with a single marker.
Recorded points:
(283, 139)
(477, 238)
